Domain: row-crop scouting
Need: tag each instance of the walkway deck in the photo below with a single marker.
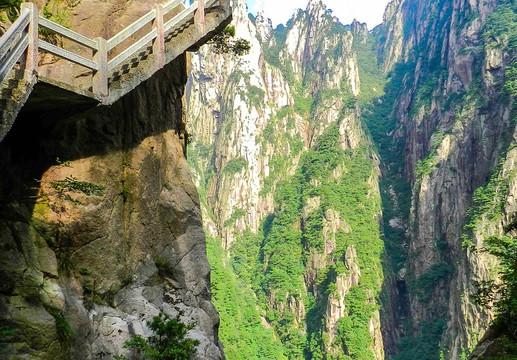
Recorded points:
(115, 67)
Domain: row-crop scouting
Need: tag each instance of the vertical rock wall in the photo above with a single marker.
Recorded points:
(101, 227)
(455, 124)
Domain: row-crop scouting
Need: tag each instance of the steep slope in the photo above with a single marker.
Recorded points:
(289, 181)
(100, 223)
(275, 148)
(453, 119)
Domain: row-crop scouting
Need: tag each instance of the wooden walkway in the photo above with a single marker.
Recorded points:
(21, 45)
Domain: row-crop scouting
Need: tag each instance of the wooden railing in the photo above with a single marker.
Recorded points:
(21, 41)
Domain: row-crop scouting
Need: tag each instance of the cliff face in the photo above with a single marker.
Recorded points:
(289, 183)
(444, 132)
(455, 124)
(101, 224)
(231, 102)
(102, 228)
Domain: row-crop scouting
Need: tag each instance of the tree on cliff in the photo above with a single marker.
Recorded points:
(167, 343)
(503, 296)
(223, 43)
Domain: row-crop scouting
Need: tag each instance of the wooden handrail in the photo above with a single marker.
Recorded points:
(6, 41)
(68, 55)
(67, 33)
(22, 38)
(123, 56)
(169, 25)
(131, 29)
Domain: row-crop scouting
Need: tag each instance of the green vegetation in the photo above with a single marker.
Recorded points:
(487, 201)
(370, 74)
(242, 330)
(423, 346)
(500, 31)
(163, 266)
(286, 246)
(427, 281)
(168, 341)
(223, 43)
(235, 166)
(71, 183)
(236, 215)
(64, 333)
(256, 96)
(502, 295)
(11, 8)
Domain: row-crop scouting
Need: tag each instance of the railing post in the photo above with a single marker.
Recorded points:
(200, 16)
(100, 77)
(31, 60)
(159, 42)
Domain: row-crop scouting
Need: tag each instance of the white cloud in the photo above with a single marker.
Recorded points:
(280, 11)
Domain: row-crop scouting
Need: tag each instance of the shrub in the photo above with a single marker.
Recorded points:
(223, 44)
(235, 166)
(168, 341)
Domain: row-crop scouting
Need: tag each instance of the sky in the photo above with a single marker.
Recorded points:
(280, 11)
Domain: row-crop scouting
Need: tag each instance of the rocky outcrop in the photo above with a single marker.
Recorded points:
(252, 119)
(102, 227)
(455, 127)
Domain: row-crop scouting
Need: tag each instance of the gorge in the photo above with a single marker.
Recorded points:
(336, 193)
(349, 179)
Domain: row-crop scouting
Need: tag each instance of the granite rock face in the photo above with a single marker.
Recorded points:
(101, 227)
(458, 136)
(251, 122)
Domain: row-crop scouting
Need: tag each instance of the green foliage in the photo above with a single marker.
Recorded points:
(11, 8)
(503, 296)
(163, 265)
(63, 330)
(271, 54)
(256, 96)
(370, 73)
(427, 281)
(395, 190)
(501, 26)
(223, 44)
(500, 31)
(235, 166)
(353, 330)
(168, 341)
(6, 331)
(237, 214)
(487, 201)
(66, 163)
(288, 238)
(425, 346)
(302, 104)
(71, 183)
(242, 330)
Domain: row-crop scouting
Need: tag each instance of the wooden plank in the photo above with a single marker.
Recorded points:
(12, 34)
(131, 29)
(13, 57)
(68, 55)
(171, 5)
(169, 25)
(69, 34)
(123, 56)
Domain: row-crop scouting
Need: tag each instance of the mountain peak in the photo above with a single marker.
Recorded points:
(315, 4)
